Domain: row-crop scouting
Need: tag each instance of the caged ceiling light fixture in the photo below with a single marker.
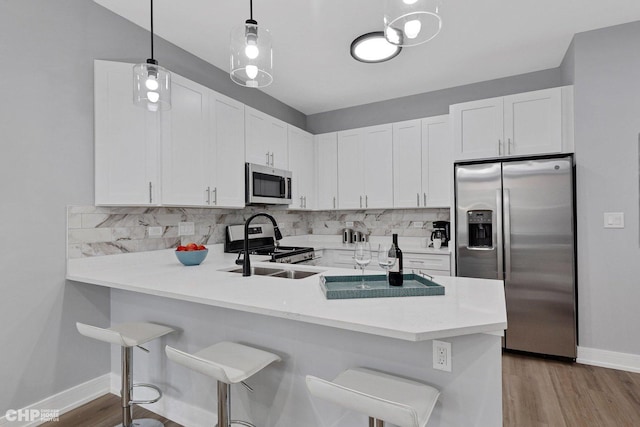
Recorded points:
(151, 82)
(251, 54)
(411, 22)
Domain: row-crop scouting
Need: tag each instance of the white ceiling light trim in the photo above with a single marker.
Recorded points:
(411, 22)
(373, 47)
(251, 54)
(151, 82)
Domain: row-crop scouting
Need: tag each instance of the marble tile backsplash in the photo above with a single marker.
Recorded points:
(95, 231)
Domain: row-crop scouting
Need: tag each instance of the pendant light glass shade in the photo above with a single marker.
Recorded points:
(251, 55)
(411, 22)
(151, 82)
(151, 86)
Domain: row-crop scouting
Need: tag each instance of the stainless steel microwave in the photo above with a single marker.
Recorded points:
(265, 185)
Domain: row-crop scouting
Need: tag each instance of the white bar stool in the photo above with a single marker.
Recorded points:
(128, 335)
(229, 363)
(381, 396)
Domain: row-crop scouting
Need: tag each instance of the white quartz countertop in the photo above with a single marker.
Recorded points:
(469, 306)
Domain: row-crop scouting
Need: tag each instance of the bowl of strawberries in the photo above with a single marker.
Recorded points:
(191, 253)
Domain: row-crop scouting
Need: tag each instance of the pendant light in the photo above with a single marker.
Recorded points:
(151, 82)
(251, 54)
(411, 22)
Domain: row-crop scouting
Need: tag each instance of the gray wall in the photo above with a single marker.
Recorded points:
(429, 104)
(607, 123)
(47, 50)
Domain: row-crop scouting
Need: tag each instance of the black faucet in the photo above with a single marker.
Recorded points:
(246, 264)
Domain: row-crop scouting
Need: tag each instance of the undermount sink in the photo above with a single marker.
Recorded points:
(276, 272)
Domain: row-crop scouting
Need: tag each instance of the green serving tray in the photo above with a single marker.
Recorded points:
(344, 287)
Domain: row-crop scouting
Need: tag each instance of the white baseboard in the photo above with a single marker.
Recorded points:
(609, 359)
(176, 410)
(64, 401)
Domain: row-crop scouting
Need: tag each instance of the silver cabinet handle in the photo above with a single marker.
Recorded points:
(305, 202)
(425, 199)
(150, 192)
(271, 159)
(360, 201)
(509, 146)
(499, 148)
(208, 195)
(418, 199)
(334, 202)
(300, 201)
(267, 158)
(215, 194)
(366, 201)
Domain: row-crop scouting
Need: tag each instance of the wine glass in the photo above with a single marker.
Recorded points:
(387, 257)
(362, 256)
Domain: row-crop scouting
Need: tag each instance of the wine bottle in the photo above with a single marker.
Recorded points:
(395, 274)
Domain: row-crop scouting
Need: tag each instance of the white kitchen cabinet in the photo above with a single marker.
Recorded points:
(265, 139)
(365, 168)
(226, 121)
(202, 148)
(302, 165)
(531, 123)
(127, 140)
(422, 163)
(187, 150)
(326, 148)
(432, 264)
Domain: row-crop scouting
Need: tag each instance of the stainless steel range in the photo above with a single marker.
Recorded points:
(262, 242)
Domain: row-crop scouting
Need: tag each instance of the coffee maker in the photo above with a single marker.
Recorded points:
(441, 230)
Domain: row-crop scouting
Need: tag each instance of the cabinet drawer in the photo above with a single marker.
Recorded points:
(343, 258)
(426, 262)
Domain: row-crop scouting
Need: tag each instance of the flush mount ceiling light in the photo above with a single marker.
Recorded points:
(373, 47)
(151, 82)
(411, 22)
(251, 54)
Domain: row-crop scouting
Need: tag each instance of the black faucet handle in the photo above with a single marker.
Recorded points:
(277, 232)
(238, 260)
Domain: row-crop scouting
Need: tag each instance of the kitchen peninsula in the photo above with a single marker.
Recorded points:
(292, 318)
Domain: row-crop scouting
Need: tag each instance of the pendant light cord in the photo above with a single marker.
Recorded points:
(151, 1)
(251, 9)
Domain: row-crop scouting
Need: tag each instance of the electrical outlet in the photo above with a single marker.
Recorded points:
(442, 355)
(349, 224)
(154, 231)
(186, 229)
(417, 224)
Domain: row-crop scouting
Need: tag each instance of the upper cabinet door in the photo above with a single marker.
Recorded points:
(226, 119)
(533, 122)
(302, 165)
(327, 170)
(126, 140)
(437, 162)
(377, 154)
(265, 139)
(407, 164)
(187, 152)
(478, 129)
(350, 170)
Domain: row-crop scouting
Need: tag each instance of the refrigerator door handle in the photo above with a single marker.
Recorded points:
(499, 233)
(507, 234)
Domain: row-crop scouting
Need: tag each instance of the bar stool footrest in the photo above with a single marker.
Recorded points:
(146, 402)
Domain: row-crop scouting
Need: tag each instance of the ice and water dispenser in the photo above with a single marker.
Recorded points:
(480, 229)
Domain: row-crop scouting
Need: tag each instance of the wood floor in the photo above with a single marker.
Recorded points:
(536, 393)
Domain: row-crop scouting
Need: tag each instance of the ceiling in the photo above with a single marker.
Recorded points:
(314, 72)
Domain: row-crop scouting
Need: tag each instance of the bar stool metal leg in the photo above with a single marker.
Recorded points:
(224, 404)
(125, 391)
(375, 423)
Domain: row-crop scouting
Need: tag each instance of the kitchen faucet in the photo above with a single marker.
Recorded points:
(246, 264)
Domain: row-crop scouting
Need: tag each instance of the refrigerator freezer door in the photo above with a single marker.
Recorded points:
(478, 210)
(539, 256)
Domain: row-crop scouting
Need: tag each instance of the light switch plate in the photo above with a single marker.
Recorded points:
(614, 220)
(349, 224)
(417, 224)
(154, 231)
(186, 229)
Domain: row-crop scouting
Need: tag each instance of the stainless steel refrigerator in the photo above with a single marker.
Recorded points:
(515, 221)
